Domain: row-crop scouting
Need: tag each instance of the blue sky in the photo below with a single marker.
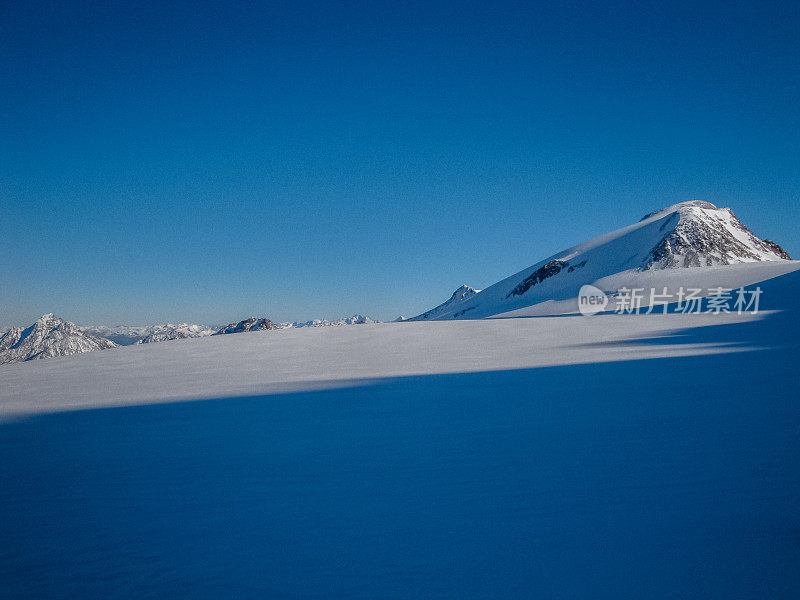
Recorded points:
(206, 163)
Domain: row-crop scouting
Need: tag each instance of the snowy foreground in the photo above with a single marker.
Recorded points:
(266, 362)
(545, 457)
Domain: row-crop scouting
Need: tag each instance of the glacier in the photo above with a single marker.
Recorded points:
(613, 456)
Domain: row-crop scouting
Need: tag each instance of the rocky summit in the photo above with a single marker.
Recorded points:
(48, 336)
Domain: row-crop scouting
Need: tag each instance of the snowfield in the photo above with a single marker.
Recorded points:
(608, 456)
(270, 361)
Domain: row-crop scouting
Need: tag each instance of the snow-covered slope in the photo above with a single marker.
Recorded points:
(125, 335)
(610, 457)
(314, 357)
(48, 336)
(450, 308)
(690, 244)
(251, 324)
(354, 320)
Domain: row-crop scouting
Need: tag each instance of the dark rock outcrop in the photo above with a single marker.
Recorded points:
(251, 324)
(700, 234)
(776, 248)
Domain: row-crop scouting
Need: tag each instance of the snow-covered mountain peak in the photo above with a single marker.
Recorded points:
(50, 321)
(464, 292)
(697, 233)
(48, 336)
(681, 207)
(251, 324)
(461, 295)
(694, 234)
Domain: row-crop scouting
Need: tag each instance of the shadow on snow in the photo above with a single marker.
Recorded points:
(664, 478)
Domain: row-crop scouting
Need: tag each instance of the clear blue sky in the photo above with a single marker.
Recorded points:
(179, 162)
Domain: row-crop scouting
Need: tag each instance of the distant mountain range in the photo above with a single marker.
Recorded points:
(354, 320)
(126, 335)
(51, 336)
(688, 244)
(691, 244)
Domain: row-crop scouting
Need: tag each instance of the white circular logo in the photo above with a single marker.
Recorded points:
(591, 300)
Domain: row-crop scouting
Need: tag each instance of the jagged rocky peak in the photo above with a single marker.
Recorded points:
(49, 336)
(165, 335)
(697, 233)
(776, 248)
(462, 294)
(693, 234)
(251, 324)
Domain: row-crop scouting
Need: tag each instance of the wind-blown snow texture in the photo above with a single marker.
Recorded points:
(605, 457)
(692, 234)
